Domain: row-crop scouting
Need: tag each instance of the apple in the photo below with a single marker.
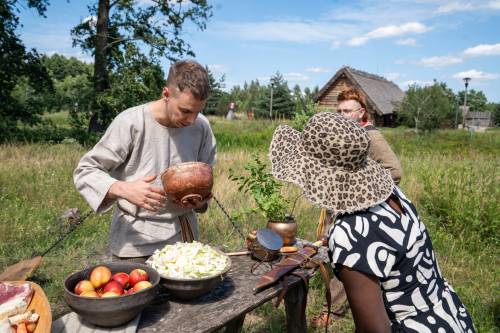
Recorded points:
(89, 293)
(30, 327)
(110, 294)
(83, 285)
(114, 287)
(130, 291)
(100, 276)
(138, 275)
(122, 278)
(142, 285)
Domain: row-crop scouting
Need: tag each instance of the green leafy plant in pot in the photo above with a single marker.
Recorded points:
(266, 192)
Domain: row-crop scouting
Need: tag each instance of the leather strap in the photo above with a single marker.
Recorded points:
(328, 294)
(186, 231)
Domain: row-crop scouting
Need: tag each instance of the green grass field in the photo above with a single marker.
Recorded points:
(451, 176)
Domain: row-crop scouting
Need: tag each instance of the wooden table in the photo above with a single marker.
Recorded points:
(227, 305)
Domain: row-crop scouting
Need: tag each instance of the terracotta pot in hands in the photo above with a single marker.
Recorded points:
(187, 183)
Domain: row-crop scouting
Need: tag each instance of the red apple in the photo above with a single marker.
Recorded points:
(130, 291)
(142, 285)
(113, 286)
(138, 275)
(122, 278)
(89, 293)
(100, 276)
(82, 286)
(110, 294)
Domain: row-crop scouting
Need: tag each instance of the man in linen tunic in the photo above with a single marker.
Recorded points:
(126, 164)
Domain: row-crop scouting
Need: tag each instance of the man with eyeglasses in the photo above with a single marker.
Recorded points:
(352, 104)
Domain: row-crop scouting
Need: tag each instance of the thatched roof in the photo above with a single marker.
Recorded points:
(381, 94)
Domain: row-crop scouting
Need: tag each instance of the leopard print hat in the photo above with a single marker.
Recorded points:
(329, 161)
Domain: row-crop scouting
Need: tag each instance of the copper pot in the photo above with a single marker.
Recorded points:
(286, 229)
(188, 182)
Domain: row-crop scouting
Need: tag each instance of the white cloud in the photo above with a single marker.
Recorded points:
(476, 51)
(494, 4)
(292, 76)
(390, 31)
(456, 6)
(283, 31)
(318, 70)
(477, 75)
(408, 42)
(467, 6)
(483, 50)
(218, 68)
(335, 44)
(92, 19)
(420, 83)
(392, 76)
(441, 61)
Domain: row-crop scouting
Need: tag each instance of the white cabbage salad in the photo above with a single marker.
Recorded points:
(188, 261)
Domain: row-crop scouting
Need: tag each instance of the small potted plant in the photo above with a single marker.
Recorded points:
(266, 192)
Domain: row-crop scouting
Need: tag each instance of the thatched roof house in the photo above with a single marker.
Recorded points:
(381, 94)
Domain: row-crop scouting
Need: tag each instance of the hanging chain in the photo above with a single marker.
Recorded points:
(229, 218)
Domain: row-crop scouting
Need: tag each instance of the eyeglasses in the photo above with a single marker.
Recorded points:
(348, 111)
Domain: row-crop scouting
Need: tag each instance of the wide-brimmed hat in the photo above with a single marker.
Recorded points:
(329, 161)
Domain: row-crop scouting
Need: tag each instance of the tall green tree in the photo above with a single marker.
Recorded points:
(494, 108)
(476, 100)
(72, 81)
(115, 25)
(19, 68)
(427, 108)
(216, 92)
(136, 80)
(282, 102)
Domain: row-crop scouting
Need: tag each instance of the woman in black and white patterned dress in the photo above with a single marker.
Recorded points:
(379, 247)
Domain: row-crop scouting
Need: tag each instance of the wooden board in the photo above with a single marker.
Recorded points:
(21, 270)
(40, 304)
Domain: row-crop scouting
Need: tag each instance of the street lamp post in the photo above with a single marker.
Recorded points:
(271, 102)
(466, 81)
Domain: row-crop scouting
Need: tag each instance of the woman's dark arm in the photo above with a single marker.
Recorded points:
(365, 300)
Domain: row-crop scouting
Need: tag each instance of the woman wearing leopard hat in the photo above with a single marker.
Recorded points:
(378, 245)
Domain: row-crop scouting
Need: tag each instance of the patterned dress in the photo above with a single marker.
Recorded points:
(398, 251)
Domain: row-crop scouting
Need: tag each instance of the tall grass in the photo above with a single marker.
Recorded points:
(450, 176)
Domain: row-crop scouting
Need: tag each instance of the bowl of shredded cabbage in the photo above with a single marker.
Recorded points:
(189, 270)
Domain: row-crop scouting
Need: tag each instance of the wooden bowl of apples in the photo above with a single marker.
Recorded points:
(111, 294)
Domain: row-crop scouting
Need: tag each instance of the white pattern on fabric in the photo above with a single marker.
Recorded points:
(398, 251)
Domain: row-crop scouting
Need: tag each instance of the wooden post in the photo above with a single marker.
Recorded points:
(295, 311)
(235, 325)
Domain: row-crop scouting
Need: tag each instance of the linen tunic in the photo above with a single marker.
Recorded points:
(398, 250)
(135, 145)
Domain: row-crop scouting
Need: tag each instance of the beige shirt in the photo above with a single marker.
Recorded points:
(135, 145)
(381, 152)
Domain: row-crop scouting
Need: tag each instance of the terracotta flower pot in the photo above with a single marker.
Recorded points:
(286, 229)
(187, 182)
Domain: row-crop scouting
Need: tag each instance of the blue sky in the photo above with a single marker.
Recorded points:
(406, 41)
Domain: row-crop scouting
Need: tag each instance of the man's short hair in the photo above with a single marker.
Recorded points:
(190, 75)
(354, 94)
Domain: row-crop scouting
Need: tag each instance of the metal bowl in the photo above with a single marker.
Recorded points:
(188, 182)
(188, 289)
(112, 311)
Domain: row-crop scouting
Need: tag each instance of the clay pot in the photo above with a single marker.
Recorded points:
(188, 182)
(286, 229)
